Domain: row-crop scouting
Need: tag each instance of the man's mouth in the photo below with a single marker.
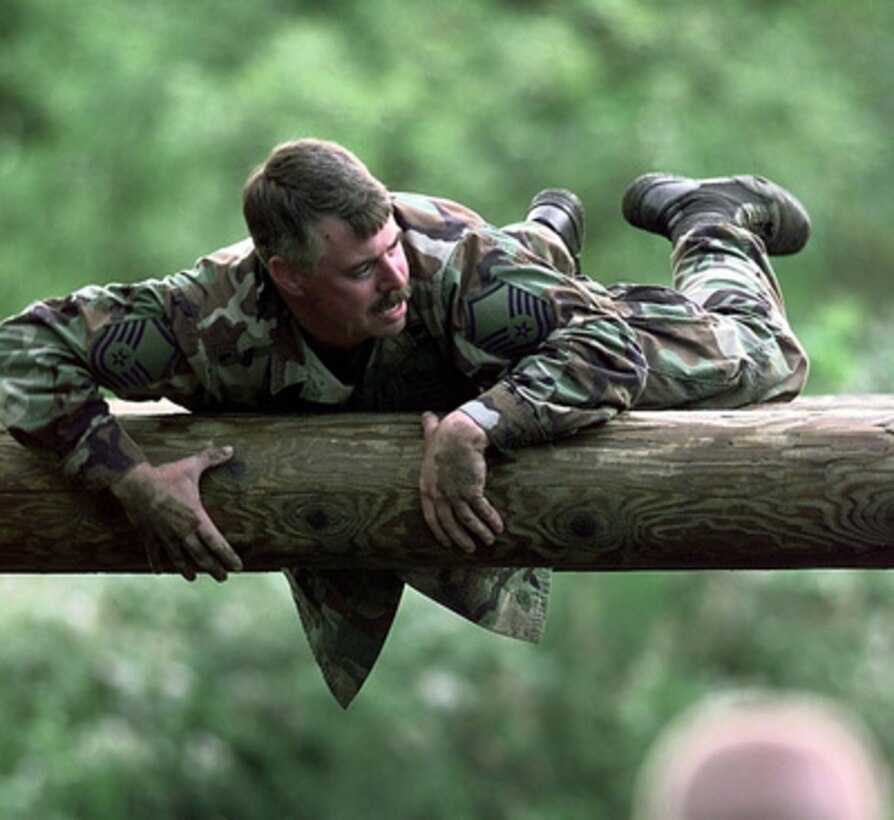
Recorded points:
(390, 309)
(392, 301)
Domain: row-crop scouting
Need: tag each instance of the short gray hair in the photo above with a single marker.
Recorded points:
(302, 182)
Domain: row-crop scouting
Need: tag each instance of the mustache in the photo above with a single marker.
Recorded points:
(395, 297)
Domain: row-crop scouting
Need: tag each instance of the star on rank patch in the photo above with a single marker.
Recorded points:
(507, 321)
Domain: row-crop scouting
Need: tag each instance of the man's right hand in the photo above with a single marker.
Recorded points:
(452, 480)
(164, 504)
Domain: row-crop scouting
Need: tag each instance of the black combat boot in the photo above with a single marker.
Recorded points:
(562, 212)
(672, 206)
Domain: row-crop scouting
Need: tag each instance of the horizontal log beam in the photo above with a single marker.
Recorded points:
(805, 485)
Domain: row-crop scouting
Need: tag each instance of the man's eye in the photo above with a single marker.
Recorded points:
(363, 271)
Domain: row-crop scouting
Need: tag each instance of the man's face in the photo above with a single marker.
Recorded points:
(357, 290)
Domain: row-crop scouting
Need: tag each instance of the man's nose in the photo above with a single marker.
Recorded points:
(391, 274)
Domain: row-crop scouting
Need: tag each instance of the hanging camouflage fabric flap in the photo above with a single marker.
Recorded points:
(346, 616)
(507, 600)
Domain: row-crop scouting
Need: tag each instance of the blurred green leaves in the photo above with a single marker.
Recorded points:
(127, 129)
(152, 698)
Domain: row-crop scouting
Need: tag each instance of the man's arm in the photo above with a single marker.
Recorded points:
(54, 359)
(562, 359)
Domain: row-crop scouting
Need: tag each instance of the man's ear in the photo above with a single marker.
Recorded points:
(286, 276)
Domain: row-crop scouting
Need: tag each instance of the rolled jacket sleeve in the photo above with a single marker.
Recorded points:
(564, 359)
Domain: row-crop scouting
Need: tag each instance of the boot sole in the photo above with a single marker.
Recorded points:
(792, 230)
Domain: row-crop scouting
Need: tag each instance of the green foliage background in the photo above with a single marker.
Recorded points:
(126, 131)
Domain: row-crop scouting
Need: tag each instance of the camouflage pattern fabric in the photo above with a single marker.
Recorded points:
(720, 338)
(497, 325)
(346, 615)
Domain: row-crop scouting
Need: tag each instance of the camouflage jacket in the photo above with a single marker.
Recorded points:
(495, 326)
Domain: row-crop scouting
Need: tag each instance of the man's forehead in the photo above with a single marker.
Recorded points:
(342, 250)
(337, 232)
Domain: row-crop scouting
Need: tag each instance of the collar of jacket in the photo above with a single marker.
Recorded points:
(295, 366)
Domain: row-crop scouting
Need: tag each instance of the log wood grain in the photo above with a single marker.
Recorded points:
(802, 485)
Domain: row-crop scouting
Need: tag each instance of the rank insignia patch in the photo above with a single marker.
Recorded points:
(134, 354)
(507, 321)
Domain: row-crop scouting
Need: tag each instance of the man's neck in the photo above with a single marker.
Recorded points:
(346, 365)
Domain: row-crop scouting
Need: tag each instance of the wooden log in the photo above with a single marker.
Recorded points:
(810, 484)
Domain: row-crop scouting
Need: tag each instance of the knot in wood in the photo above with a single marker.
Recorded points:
(326, 521)
(586, 525)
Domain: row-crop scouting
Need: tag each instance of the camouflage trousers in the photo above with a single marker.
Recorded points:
(718, 338)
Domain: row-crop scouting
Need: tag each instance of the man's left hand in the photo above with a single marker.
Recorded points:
(452, 481)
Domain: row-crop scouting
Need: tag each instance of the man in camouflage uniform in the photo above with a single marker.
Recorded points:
(348, 296)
